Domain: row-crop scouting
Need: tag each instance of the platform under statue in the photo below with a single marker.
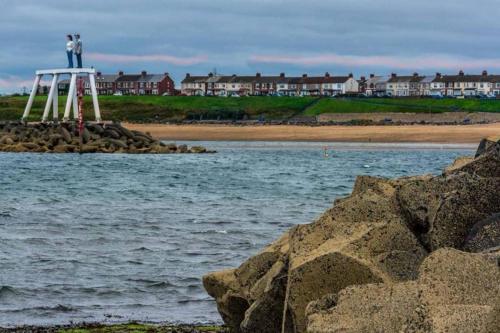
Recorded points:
(72, 101)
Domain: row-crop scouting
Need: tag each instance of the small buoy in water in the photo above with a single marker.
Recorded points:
(325, 152)
(366, 166)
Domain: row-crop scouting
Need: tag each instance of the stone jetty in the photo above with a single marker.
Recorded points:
(406, 255)
(95, 138)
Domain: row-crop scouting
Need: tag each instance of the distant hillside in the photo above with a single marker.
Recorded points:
(181, 108)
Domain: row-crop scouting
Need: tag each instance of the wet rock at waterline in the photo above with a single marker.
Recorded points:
(394, 256)
(95, 138)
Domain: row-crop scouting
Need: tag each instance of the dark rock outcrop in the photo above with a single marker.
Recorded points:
(95, 138)
(387, 258)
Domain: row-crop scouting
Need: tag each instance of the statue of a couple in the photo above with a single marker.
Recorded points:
(74, 46)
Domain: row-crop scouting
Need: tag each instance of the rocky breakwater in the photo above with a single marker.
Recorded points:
(95, 138)
(413, 254)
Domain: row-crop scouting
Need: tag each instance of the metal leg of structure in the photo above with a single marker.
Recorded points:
(71, 93)
(50, 98)
(75, 105)
(31, 98)
(93, 89)
(55, 102)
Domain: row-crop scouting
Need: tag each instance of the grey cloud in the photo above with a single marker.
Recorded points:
(230, 32)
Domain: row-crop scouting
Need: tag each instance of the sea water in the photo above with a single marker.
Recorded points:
(112, 238)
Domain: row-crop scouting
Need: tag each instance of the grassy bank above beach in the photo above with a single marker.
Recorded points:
(143, 109)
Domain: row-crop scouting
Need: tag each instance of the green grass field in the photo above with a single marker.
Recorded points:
(159, 108)
(364, 105)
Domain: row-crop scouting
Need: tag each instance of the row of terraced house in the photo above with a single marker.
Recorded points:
(393, 85)
(437, 85)
(128, 84)
(328, 85)
(258, 85)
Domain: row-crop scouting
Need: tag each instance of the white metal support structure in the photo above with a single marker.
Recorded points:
(32, 96)
(52, 99)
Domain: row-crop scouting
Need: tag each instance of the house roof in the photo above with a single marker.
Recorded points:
(106, 78)
(463, 78)
(145, 78)
(195, 79)
(494, 78)
(405, 78)
(427, 79)
(157, 77)
(267, 79)
(377, 79)
(129, 77)
(245, 79)
(225, 79)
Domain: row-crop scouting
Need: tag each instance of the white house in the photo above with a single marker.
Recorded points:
(194, 85)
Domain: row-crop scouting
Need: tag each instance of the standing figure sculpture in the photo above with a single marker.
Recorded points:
(78, 50)
(70, 45)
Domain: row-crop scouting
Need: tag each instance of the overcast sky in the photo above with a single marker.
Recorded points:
(248, 36)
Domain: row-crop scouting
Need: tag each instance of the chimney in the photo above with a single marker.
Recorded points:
(485, 73)
(351, 75)
(394, 75)
(144, 73)
(188, 75)
(120, 73)
(415, 74)
(257, 74)
(363, 79)
(304, 75)
(372, 76)
(282, 75)
(327, 74)
(461, 73)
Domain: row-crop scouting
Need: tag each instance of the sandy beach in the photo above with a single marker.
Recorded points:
(408, 133)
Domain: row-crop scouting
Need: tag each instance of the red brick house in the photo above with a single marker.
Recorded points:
(145, 84)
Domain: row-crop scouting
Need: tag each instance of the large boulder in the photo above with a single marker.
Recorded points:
(455, 292)
(365, 309)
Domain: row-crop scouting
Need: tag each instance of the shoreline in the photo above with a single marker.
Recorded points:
(466, 134)
(132, 326)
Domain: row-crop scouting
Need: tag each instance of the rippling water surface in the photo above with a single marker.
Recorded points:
(127, 237)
